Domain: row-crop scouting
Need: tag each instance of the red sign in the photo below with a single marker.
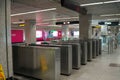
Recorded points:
(17, 36)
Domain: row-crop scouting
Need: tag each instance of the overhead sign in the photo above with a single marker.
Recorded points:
(67, 22)
(97, 26)
(73, 6)
(115, 23)
(21, 25)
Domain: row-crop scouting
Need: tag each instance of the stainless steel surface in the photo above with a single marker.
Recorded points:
(94, 48)
(89, 54)
(82, 56)
(100, 47)
(66, 57)
(37, 62)
(84, 52)
(97, 47)
(76, 55)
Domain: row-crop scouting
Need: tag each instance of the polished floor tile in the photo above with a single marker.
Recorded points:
(98, 69)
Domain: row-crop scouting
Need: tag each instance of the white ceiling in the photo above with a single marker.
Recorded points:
(97, 10)
(20, 6)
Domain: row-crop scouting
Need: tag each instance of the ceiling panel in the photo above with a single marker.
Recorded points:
(97, 10)
(60, 12)
(19, 6)
(104, 9)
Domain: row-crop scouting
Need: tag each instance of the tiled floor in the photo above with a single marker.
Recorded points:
(98, 69)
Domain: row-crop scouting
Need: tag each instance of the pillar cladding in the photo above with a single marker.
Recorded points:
(85, 26)
(5, 38)
(65, 29)
(30, 31)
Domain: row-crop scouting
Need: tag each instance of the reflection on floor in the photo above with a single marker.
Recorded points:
(99, 69)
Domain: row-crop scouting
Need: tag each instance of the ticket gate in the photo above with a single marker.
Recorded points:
(97, 47)
(100, 47)
(89, 47)
(94, 48)
(37, 62)
(66, 57)
(76, 54)
(83, 50)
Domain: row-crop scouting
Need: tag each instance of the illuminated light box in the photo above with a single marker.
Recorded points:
(60, 34)
(55, 33)
(39, 34)
(76, 33)
(17, 36)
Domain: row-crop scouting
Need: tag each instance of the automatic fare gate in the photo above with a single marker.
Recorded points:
(83, 50)
(66, 57)
(76, 54)
(89, 47)
(37, 62)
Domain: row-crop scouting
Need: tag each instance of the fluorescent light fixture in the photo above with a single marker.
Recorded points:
(110, 15)
(44, 10)
(113, 19)
(91, 4)
(98, 3)
(111, 1)
(61, 19)
(19, 22)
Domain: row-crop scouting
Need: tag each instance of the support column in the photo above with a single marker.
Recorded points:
(30, 31)
(65, 30)
(5, 38)
(85, 26)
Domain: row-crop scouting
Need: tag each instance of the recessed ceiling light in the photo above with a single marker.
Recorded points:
(64, 23)
(68, 22)
(98, 3)
(44, 10)
(19, 22)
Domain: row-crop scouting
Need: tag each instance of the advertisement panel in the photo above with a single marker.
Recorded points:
(17, 36)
